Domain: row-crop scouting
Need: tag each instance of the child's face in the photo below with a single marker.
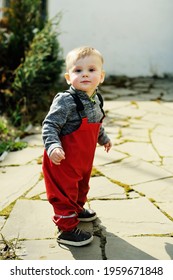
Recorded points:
(86, 74)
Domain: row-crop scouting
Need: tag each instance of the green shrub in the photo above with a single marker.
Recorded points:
(8, 136)
(22, 18)
(30, 66)
(12, 146)
(38, 75)
(17, 28)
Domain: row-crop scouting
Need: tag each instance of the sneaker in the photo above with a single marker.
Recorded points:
(87, 215)
(75, 237)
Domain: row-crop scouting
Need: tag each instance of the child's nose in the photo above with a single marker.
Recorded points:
(85, 74)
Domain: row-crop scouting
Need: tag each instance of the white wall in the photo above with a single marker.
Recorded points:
(135, 36)
(1, 5)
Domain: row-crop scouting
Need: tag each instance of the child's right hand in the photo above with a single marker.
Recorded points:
(57, 155)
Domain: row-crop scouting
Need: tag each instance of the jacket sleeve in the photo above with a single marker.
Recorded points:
(53, 124)
(103, 138)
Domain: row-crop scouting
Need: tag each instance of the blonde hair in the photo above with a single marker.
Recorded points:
(79, 53)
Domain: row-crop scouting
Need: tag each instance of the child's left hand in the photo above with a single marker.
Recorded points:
(108, 146)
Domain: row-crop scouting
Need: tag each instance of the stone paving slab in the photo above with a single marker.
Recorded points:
(133, 171)
(131, 217)
(102, 158)
(31, 130)
(50, 250)
(16, 181)
(111, 107)
(2, 221)
(132, 111)
(161, 119)
(167, 207)
(102, 188)
(43, 196)
(38, 189)
(155, 108)
(163, 143)
(139, 248)
(22, 157)
(139, 125)
(159, 190)
(144, 151)
(133, 194)
(164, 130)
(138, 97)
(111, 130)
(117, 92)
(33, 140)
(135, 133)
(30, 219)
(168, 164)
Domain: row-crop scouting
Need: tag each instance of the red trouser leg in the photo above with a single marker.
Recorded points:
(62, 193)
(83, 189)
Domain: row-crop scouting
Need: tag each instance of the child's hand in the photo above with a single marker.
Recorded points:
(107, 146)
(57, 155)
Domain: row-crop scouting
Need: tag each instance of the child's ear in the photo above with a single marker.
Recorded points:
(67, 77)
(102, 76)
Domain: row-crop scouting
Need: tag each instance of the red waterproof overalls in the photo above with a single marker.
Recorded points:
(67, 184)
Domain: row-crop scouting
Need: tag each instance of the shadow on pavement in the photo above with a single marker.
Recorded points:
(107, 245)
(169, 250)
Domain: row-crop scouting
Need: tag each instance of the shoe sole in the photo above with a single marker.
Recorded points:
(88, 219)
(74, 243)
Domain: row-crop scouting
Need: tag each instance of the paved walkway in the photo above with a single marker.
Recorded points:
(131, 186)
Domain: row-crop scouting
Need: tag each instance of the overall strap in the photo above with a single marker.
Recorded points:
(101, 104)
(100, 99)
(79, 105)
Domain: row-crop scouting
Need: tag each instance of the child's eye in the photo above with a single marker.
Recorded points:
(91, 69)
(77, 70)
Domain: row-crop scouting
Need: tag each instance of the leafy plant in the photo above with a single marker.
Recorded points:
(8, 252)
(30, 66)
(19, 24)
(17, 29)
(12, 146)
(8, 136)
(38, 75)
